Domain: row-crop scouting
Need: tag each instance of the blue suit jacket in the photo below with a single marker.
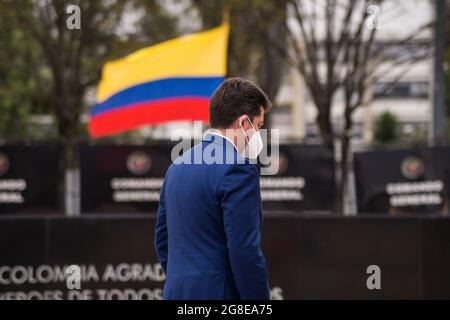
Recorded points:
(208, 228)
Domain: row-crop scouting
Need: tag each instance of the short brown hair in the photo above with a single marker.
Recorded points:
(234, 98)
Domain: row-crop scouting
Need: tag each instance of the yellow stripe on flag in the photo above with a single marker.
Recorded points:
(200, 54)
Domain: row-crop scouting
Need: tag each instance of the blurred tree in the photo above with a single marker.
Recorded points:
(22, 89)
(155, 23)
(447, 67)
(447, 87)
(75, 57)
(386, 128)
(254, 23)
(332, 45)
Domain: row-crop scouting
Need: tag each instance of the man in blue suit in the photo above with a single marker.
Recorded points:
(208, 229)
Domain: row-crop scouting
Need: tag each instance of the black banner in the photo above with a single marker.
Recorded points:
(304, 179)
(308, 258)
(122, 178)
(403, 181)
(28, 178)
(129, 178)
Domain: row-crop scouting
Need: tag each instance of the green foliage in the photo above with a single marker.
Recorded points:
(386, 128)
(47, 68)
(24, 79)
(447, 78)
(254, 26)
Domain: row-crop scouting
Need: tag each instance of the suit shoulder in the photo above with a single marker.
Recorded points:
(247, 171)
(250, 167)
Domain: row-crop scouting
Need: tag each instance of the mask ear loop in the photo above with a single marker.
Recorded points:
(251, 123)
(245, 135)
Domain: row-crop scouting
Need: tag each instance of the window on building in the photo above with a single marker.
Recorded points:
(401, 90)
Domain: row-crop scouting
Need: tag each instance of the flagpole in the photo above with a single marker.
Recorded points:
(226, 14)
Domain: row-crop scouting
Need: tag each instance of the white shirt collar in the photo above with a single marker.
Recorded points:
(218, 133)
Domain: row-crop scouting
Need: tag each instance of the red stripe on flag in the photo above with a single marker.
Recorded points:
(152, 112)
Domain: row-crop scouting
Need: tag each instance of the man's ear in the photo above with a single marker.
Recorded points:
(243, 120)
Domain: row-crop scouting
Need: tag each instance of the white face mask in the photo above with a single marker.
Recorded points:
(254, 144)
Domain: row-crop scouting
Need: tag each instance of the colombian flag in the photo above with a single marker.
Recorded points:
(170, 81)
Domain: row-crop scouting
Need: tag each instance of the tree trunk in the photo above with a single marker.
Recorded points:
(343, 185)
(325, 126)
(68, 160)
(345, 153)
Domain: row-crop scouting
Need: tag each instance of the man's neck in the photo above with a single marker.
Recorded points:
(227, 133)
